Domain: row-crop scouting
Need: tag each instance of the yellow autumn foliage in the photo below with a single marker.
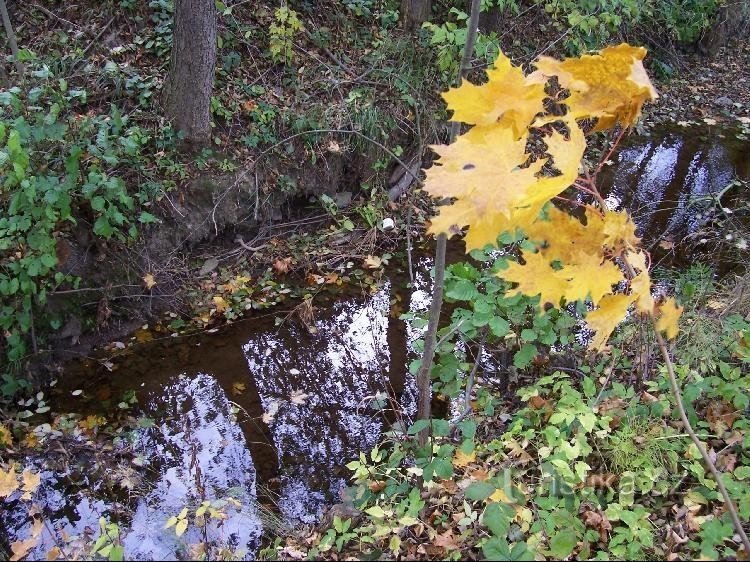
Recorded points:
(497, 186)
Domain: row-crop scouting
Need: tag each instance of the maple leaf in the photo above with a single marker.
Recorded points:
(507, 99)
(618, 231)
(536, 277)
(31, 482)
(640, 288)
(8, 482)
(611, 311)
(461, 459)
(486, 171)
(6, 438)
(669, 315)
(298, 397)
(238, 388)
(611, 85)
(220, 303)
(583, 276)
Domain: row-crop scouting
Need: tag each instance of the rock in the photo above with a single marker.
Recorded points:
(208, 266)
(343, 199)
(388, 224)
(724, 101)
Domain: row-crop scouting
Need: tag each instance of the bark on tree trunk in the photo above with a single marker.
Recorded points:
(191, 74)
(415, 12)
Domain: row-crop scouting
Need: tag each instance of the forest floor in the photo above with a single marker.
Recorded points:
(322, 239)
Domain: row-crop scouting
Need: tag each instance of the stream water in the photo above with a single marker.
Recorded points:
(270, 414)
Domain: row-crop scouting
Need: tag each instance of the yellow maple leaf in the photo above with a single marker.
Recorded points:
(669, 314)
(6, 438)
(8, 481)
(619, 231)
(536, 277)
(611, 311)
(640, 288)
(508, 98)
(611, 85)
(461, 459)
(220, 303)
(495, 191)
(31, 482)
(584, 276)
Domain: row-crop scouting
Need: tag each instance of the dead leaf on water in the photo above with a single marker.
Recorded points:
(238, 388)
(298, 397)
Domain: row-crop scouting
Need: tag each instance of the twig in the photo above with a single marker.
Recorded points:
(20, 68)
(697, 442)
(428, 354)
(91, 44)
(52, 14)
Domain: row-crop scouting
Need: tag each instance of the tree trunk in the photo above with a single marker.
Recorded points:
(191, 74)
(415, 12)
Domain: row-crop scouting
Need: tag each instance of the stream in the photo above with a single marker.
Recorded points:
(268, 410)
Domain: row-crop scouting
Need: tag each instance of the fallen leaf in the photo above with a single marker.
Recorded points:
(238, 388)
(460, 459)
(220, 303)
(6, 438)
(149, 281)
(8, 482)
(31, 481)
(373, 262)
(298, 397)
(281, 265)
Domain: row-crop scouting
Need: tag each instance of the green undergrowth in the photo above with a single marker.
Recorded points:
(585, 461)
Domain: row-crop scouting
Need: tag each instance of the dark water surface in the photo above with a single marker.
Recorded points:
(269, 414)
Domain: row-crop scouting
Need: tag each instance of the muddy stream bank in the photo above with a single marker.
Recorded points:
(268, 410)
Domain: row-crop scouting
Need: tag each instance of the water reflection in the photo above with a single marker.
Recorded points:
(669, 181)
(285, 407)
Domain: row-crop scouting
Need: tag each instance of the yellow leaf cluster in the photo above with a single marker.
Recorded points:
(496, 185)
(507, 99)
(611, 85)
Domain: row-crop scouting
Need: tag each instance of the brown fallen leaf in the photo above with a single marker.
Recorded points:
(238, 388)
(281, 265)
(149, 281)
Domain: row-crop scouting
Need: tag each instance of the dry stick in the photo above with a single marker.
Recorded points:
(430, 338)
(11, 39)
(698, 444)
(677, 393)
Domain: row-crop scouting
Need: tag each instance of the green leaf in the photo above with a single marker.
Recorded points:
(524, 356)
(496, 549)
(460, 290)
(418, 426)
(375, 511)
(117, 553)
(440, 428)
(499, 326)
(563, 543)
(469, 429)
(496, 520)
(478, 491)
